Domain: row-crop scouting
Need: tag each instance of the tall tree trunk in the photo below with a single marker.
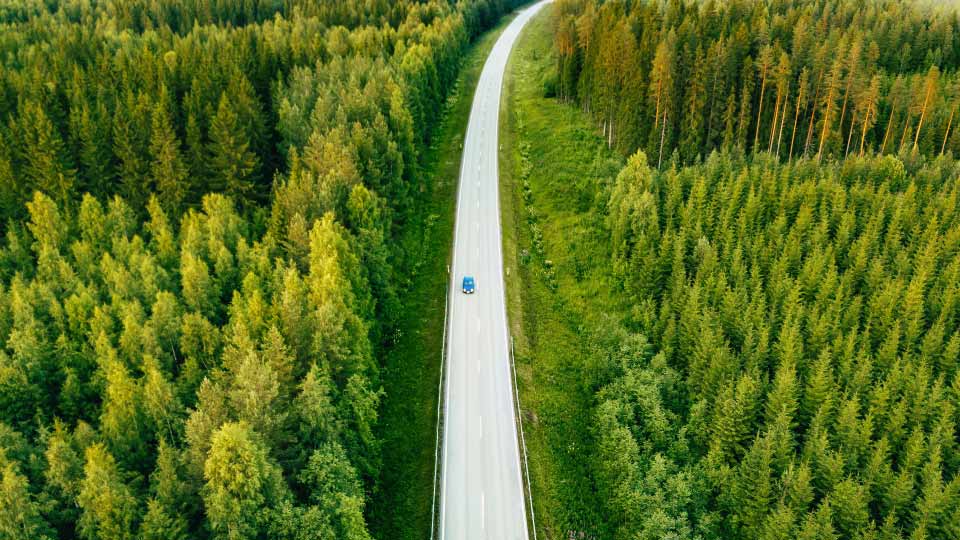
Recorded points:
(825, 132)
(813, 115)
(947, 133)
(863, 132)
(783, 120)
(793, 134)
(886, 132)
(906, 129)
(843, 112)
(610, 134)
(656, 116)
(663, 131)
(773, 126)
(853, 122)
(763, 86)
(923, 113)
(930, 86)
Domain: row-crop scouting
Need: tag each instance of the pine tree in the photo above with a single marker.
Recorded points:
(195, 155)
(895, 97)
(929, 93)
(782, 80)
(661, 84)
(763, 64)
(754, 490)
(109, 508)
(729, 123)
(20, 514)
(782, 398)
(802, 83)
(160, 402)
(254, 394)
(852, 63)
(159, 524)
(232, 163)
(12, 194)
(95, 155)
(818, 525)
(869, 101)
(849, 504)
(952, 100)
(746, 99)
(241, 482)
(330, 477)
(43, 155)
(167, 170)
(340, 336)
(130, 145)
(121, 419)
(695, 101)
(829, 105)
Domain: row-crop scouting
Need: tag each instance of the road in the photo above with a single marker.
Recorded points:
(481, 493)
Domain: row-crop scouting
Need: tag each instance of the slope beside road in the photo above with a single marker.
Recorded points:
(481, 494)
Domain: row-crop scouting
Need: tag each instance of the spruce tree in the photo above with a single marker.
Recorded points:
(169, 174)
(109, 507)
(231, 162)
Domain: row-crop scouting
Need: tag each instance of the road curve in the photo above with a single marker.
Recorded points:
(481, 494)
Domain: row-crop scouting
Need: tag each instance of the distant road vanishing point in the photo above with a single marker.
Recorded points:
(481, 491)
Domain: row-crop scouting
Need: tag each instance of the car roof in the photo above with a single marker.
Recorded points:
(468, 278)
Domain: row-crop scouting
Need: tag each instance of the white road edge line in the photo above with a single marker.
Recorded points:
(483, 511)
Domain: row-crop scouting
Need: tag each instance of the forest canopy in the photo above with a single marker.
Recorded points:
(790, 366)
(197, 204)
(787, 238)
(819, 79)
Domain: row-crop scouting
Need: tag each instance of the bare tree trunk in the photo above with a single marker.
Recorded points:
(906, 129)
(825, 132)
(843, 113)
(853, 122)
(663, 131)
(813, 115)
(656, 117)
(923, 109)
(773, 126)
(793, 134)
(923, 113)
(756, 133)
(947, 133)
(783, 120)
(863, 132)
(610, 135)
(886, 132)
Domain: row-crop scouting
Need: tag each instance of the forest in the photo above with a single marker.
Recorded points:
(792, 369)
(199, 202)
(796, 78)
(787, 235)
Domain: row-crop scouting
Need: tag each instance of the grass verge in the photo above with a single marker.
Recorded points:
(554, 169)
(401, 507)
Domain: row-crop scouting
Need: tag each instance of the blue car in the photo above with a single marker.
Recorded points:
(469, 285)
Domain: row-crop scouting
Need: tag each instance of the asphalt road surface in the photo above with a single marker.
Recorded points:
(481, 494)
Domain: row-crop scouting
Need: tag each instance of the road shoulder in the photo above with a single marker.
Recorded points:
(553, 165)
